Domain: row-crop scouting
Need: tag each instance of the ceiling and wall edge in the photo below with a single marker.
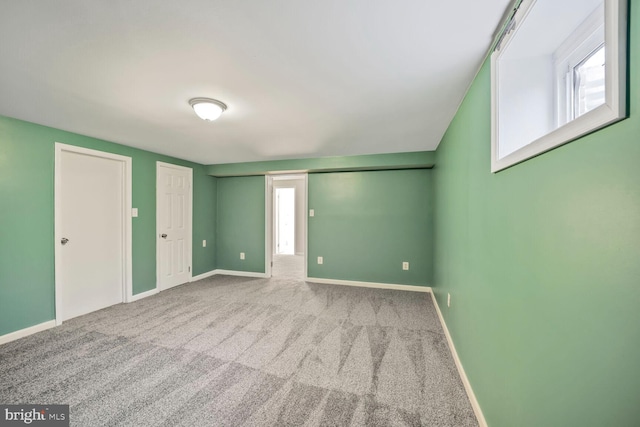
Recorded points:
(367, 162)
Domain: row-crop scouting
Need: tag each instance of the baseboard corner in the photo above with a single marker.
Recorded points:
(204, 275)
(142, 295)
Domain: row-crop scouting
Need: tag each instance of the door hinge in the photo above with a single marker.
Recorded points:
(271, 263)
(189, 269)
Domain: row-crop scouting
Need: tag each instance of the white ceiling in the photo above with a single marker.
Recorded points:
(301, 78)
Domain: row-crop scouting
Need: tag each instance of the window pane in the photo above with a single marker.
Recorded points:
(550, 83)
(589, 78)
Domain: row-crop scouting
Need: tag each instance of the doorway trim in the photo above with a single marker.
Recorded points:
(189, 222)
(126, 214)
(268, 224)
(269, 217)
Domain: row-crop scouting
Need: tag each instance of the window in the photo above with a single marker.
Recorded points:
(558, 73)
(580, 68)
(588, 83)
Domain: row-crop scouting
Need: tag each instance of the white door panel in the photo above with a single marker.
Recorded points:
(174, 225)
(92, 210)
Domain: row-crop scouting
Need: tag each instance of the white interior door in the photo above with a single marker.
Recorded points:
(174, 225)
(90, 217)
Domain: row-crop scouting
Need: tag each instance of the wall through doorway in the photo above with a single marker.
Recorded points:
(285, 230)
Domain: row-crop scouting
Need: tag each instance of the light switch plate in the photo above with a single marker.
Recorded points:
(312, 212)
(320, 260)
(204, 243)
(241, 255)
(134, 212)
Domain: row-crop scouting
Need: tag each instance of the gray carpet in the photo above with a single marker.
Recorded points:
(229, 351)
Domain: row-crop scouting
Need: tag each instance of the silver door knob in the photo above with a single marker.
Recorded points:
(64, 240)
(164, 236)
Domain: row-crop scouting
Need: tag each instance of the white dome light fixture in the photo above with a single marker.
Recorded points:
(207, 109)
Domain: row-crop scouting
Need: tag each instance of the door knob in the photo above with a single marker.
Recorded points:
(164, 236)
(64, 240)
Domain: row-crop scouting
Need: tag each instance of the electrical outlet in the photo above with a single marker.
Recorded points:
(405, 265)
(448, 300)
(204, 243)
(241, 255)
(320, 260)
(312, 212)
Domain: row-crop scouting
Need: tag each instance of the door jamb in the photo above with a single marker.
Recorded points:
(268, 223)
(306, 224)
(189, 221)
(127, 220)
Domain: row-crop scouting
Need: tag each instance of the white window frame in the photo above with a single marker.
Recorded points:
(613, 110)
(580, 45)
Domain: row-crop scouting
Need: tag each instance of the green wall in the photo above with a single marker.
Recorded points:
(367, 223)
(205, 205)
(26, 218)
(241, 223)
(542, 261)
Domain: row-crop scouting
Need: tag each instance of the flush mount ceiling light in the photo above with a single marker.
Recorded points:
(207, 109)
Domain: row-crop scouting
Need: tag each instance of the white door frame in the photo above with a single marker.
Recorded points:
(189, 220)
(126, 214)
(268, 224)
(269, 217)
(306, 225)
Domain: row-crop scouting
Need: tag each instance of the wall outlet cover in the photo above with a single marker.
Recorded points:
(241, 255)
(320, 260)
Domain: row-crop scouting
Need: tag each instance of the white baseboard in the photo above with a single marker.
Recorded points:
(203, 275)
(411, 288)
(240, 273)
(463, 376)
(12, 336)
(141, 295)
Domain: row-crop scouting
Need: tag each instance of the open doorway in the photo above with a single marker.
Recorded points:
(287, 225)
